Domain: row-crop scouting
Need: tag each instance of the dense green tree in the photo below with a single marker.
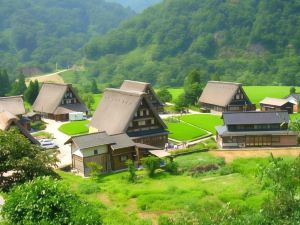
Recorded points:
(151, 164)
(88, 100)
(22, 159)
(48, 201)
(164, 95)
(19, 87)
(32, 92)
(4, 83)
(193, 85)
(180, 103)
(292, 90)
(94, 87)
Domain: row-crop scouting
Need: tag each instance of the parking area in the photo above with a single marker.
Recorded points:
(60, 138)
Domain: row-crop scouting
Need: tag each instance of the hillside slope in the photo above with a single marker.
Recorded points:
(41, 33)
(252, 41)
(136, 5)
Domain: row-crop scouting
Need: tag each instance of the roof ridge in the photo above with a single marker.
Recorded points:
(128, 92)
(139, 82)
(62, 84)
(83, 135)
(225, 82)
(15, 96)
(244, 112)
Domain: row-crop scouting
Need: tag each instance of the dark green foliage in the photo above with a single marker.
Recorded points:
(132, 171)
(249, 41)
(32, 92)
(4, 83)
(39, 34)
(25, 159)
(38, 125)
(180, 103)
(193, 85)
(47, 201)
(19, 87)
(164, 95)
(94, 87)
(171, 166)
(292, 90)
(151, 164)
(88, 99)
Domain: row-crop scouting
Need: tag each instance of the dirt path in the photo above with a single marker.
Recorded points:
(52, 77)
(234, 154)
(105, 200)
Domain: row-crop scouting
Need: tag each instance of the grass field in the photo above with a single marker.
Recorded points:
(204, 121)
(75, 127)
(175, 92)
(183, 132)
(97, 99)
(143, 202)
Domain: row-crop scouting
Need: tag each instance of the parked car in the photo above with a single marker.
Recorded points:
(48, 144)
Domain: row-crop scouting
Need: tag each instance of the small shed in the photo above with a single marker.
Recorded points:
(277, 104)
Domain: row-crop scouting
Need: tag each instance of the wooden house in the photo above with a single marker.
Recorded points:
(295, 99)
(8, 121)
(277, 104)
(109, 151)
(130, 112)
(255, 129)
(56, 101)
(130, 85)
(225, 96)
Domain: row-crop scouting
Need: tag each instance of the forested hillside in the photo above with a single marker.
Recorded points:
(137, 5)
(41, 33)
(251, 41)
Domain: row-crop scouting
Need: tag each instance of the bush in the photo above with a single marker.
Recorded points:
(95, 170)
(47, 201)
(226, 170)
(151, 163)
(38, 125)
(171, 167)
(131, 170)
(203, 169)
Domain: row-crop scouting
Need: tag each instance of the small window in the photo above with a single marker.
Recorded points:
(95, 152)
(147, 112)
(142, 123)
(237, 96)
(123, 158)
(152, 121)
(136, 114)
(141, 113)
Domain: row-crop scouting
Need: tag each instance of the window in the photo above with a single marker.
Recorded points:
(142, 123)
(123, 158)
(130, 124)
(141, 113)
(152, 121)
(95, 152)
(237, 96)
(135, 114)
(147, 112)
(62, 102)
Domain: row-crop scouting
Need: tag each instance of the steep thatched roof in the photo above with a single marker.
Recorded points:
(219, 93)
(274, 101)
(50, 97)
(117, 109)
(12, 104)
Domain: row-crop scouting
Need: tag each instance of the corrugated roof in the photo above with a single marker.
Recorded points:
(91, 140)
(219, 93)
(274, 101)
(255, 117)
(12, 104)
(122, 141)
(296, 96)
(69, 108)
(117, 109)
(50, 97)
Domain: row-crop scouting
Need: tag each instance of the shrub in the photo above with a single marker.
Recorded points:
(96, 170)
(151, 163)
(204, 168)
(226, 170)
(131, 170)
(171, 167)
(47, 201)
(38, 125)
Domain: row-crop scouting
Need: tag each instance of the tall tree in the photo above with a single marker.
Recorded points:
(94, 87)
(31, 92)
(4, 83)
(193, 86)
(19, 87)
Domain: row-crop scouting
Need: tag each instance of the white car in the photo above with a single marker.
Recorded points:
(45, 141)
(48, 144)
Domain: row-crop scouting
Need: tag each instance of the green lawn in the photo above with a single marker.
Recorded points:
(97, 99)
(204, 121)
(183, 132)
(175, 92)
(75, 127)
(121, 202)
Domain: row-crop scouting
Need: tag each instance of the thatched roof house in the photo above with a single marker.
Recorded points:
(12, 104)
(130, 85)
(56, 101)
(225, 96)
(277, 104)
(130, 112)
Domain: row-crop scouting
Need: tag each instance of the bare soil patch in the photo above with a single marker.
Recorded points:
(231, 155)
(53, 78)
(105, 199)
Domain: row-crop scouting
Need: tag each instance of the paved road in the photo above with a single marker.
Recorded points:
(60, 138)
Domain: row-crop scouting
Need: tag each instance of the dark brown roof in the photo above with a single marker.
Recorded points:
(117, 141)
(50, 97)
(12, 104)
(91, 140)
(117, 109)
(219, 93)
(255, 117)
(274, 101)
